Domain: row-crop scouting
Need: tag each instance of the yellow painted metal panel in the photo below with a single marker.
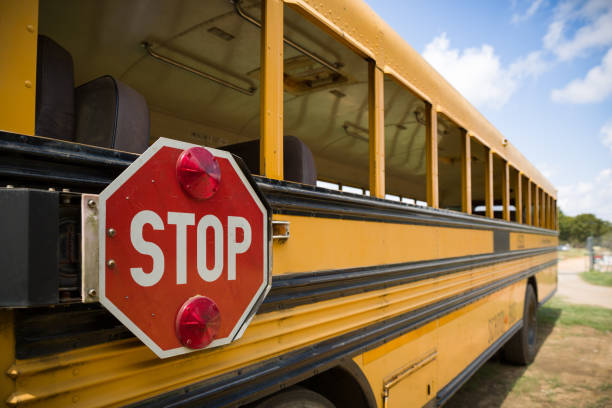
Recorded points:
(519, 198)
(457, 338)
(489, 184)
(7, 354)
(519, 240)
(547, 282)
(271, 111)
(431, 138)
(466, 173)
(376, 124)
(19, 33)
(466, 333)
(327, 243)
(506, 190)
(125, 371)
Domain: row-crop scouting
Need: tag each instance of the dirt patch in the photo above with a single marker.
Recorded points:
(573, 368)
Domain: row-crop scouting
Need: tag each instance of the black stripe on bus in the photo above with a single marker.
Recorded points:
(299, 199)
(251, 383)
(41, 163)
(452, 387)
(303, 288)
(45, 331)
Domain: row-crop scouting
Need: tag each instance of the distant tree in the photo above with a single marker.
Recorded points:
(577, 229)
(565, 226)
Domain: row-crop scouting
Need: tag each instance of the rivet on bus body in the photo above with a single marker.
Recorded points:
(111, 263)
(91, 203)
(30, 28)
(92, 292)
(111, 232)
(28, 84)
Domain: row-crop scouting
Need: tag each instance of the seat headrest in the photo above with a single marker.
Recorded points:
(298, 162)
(111, 114)
(54, 91)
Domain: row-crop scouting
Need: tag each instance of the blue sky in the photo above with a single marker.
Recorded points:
(539, 70)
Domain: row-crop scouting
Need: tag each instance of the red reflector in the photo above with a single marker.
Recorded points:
(198, 322)
(198, 173)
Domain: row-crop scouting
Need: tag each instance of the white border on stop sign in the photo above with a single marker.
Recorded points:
(246, 317)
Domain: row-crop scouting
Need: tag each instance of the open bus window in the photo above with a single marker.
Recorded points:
(450, 142)
(405, 158)
(326, 101)
(479, 163)
(198, 37)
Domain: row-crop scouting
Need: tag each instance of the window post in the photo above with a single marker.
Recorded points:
(518, 199)
(506, 190)
(431, 136)
(466, 173)
(376, 126)
(489, 183)
(271, 102)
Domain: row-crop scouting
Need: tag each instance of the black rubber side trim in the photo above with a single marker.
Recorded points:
(256, 381)
(452, 387)
(299, 199)
(303, 288)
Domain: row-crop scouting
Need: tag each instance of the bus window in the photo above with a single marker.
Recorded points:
(326, 101)
(195, 70)
(449, 163)
(479, 162)
(405, 164)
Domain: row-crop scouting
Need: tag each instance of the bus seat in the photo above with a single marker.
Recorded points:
(298, 163)
(111, 114)
(54, 91)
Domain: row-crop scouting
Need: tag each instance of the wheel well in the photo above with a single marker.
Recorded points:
(532, 281)
(344, 386)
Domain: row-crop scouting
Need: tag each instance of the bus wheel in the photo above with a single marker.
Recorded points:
(296, 397)
(521, 348)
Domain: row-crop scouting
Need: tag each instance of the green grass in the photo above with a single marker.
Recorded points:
(566, 314)
(597, 277)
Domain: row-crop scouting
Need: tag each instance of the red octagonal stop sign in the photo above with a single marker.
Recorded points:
(180, 268)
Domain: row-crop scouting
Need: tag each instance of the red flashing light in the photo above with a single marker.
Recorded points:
(198, 322)
(198, 173)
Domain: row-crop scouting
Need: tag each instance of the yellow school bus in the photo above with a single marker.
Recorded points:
(410, 240)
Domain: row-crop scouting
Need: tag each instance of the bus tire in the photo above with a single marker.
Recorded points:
(295, 397)
(521, 348)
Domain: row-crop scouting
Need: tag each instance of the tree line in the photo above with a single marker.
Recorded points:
(576, 230)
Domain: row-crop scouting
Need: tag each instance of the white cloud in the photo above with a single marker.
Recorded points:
(517, 18)
(547, 170)
(588, 196)
(595, 87)
(596, 30)
(606, 131)
(478, 74)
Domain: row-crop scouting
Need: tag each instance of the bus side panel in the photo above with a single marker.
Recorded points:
(547, 283)
(331, 243)
(456, 340)
(19, 23)
(521, 240)
(7, 354)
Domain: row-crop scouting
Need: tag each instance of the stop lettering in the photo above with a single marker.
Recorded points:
(183, 255)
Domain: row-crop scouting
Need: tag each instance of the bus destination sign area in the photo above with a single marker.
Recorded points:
(184, 248)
